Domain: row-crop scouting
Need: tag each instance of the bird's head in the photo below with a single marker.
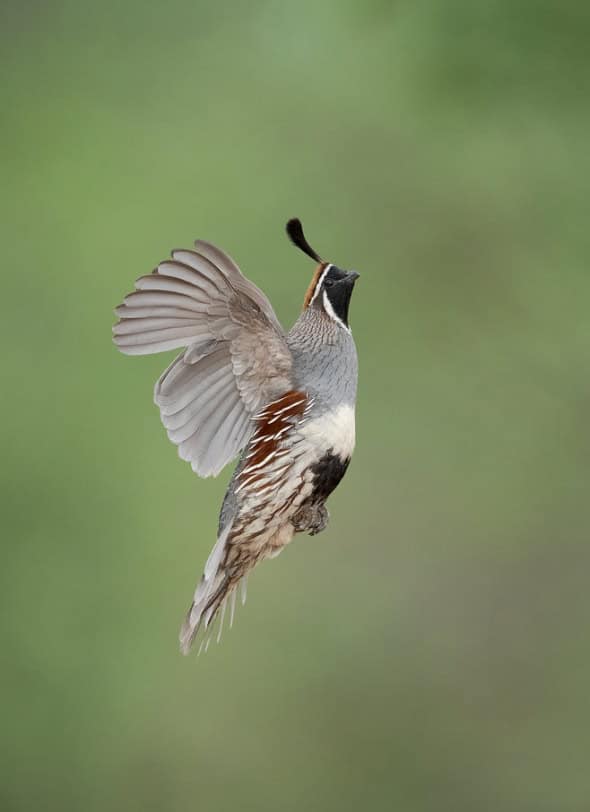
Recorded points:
(331, 287)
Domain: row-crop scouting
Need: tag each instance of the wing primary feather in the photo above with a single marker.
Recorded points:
(179, 372)
(164, 298)
(150, 348)
(129, 326)
(210, 403)
(202, 264)
(125, 311)
(225, 439)
(172, 284)
(183, 332)
(183, 383)
(175, 420)
(188, 274)
(213, 448)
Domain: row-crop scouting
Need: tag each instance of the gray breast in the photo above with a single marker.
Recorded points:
(325, 359)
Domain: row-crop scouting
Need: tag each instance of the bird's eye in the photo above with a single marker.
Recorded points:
(328, 283)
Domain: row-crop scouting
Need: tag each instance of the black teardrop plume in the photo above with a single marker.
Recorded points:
(297, 237)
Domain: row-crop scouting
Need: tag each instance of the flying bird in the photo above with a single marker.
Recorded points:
(283, 402)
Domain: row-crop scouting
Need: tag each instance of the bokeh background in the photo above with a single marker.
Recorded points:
(431, 649)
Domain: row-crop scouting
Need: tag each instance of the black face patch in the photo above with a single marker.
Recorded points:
(327, 474)
(338, 285)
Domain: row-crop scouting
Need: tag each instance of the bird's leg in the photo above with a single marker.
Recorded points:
(311, 518)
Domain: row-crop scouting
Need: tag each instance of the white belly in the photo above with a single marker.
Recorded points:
(332, 431)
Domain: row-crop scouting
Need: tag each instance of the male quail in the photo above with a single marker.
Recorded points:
(286, 401)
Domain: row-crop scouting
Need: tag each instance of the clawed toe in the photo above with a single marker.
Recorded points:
(311, 519)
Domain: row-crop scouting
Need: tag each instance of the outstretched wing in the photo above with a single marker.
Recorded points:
(236, 357)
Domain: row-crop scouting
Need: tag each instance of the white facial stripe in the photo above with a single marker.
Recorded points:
(319, 284)
(331, 312)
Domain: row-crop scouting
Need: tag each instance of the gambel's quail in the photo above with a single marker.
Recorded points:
(283, 401)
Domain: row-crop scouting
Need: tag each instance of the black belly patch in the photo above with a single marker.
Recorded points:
(327, 474)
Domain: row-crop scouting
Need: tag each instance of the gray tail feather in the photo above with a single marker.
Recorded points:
(202, 615)
(212, 594)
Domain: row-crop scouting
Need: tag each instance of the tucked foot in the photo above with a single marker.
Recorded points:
(311, 518)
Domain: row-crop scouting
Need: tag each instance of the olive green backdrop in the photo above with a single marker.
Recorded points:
(431, 649)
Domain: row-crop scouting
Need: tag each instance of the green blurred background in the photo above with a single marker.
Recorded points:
(431, 649)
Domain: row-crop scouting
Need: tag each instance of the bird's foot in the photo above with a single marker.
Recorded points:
(311, 519)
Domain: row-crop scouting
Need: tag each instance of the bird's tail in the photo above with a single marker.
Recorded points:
(215, 589)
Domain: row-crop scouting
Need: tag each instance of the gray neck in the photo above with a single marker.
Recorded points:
(325, 360)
